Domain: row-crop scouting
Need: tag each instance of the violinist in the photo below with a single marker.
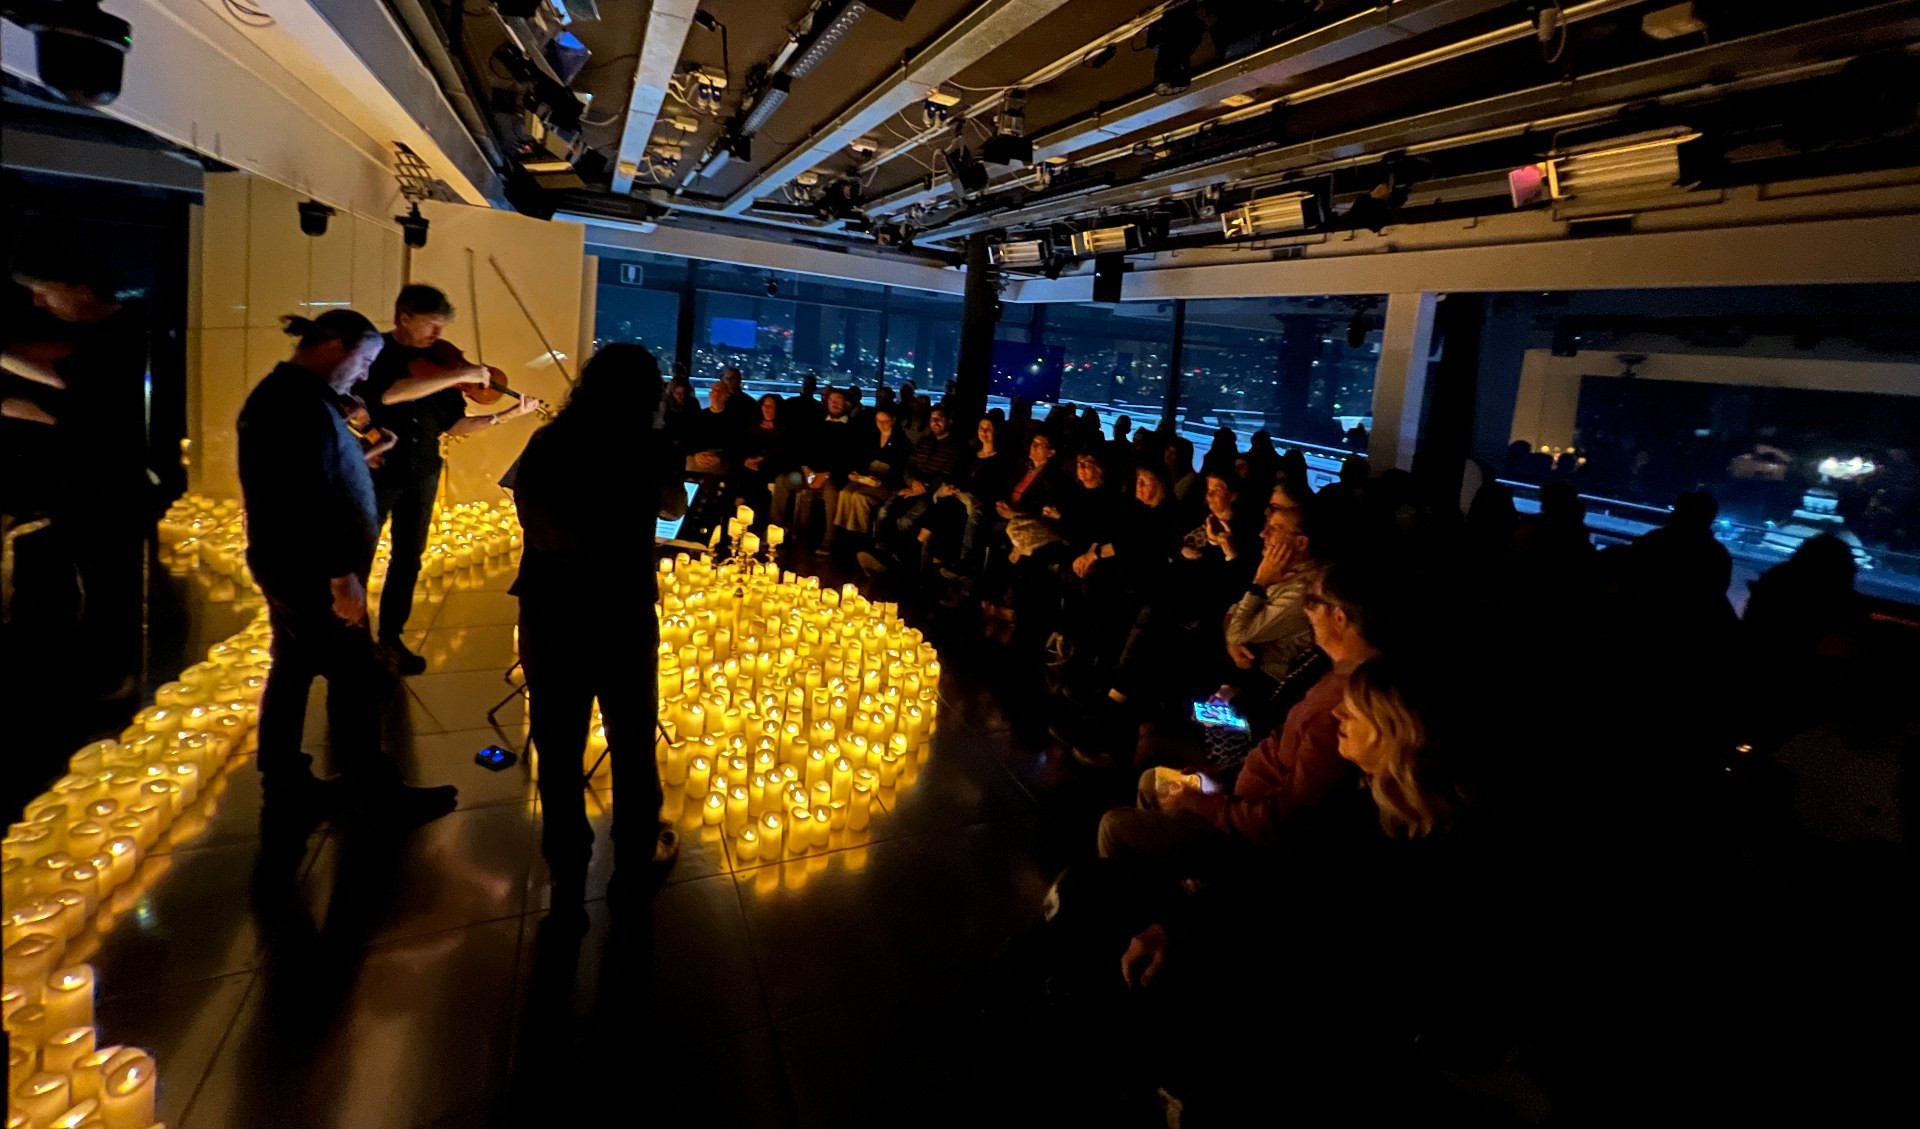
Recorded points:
(417, 391)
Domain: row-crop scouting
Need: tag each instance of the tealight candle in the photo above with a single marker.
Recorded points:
(822, 825)
(13, 997)
(69, 998)
(64, 1048)
(124, 854)
(746, 848)
(714, 810)
(858, 807)
(43, 1097)
(699, 772)
(126, 1098)
(30, 1025)
(772, 834)
(74, 908)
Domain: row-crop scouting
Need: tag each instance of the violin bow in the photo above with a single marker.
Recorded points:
(559, 361)
(479, 356)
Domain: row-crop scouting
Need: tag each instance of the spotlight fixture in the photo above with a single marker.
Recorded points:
(1274, 215)
(79, 50)
(1375, 208)
(314, 216)
(1102, 240)
(969, 175)
(821, 40)
(1009, 143)
(413, 227)
(769, 99)
(1644, 162)
(1174, 38)
(1025, 253)
(773, 286)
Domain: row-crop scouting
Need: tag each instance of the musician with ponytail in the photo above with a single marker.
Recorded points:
(311, 529)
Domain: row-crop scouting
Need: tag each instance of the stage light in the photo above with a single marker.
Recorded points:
(1174, 38)
(769, 100)
(969, 175)
(773, 286)
(1527, 185)
(1025, 253)
(1292, 211)
(1009, 143)
(79, 50)
(1644, 162)
(1098, 57)
(314, 216)
(1104, 239)
(827, 38)
(413, 227)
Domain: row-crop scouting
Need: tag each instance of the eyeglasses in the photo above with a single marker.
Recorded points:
(1316, 600)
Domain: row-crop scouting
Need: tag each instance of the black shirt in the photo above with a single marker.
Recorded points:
(418, 424)
(100, 442)
(304, 480)
(569, 481)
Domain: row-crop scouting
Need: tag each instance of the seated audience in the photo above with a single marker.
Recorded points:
(878, 466)
(1185, 821)
(824, 453)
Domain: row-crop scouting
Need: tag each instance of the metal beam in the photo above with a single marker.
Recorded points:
(988, 26)
(664, 42)
(769, 255)
(1322, 47)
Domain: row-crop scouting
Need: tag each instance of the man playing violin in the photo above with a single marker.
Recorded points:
(414, 392)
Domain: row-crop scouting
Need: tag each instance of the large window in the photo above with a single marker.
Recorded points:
(639, 300)
(1300, 369)
(1795, 408)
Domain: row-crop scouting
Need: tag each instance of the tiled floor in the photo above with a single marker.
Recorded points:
(353, 981)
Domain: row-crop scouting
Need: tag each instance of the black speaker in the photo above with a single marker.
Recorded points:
(1107, 270)
(892, 9)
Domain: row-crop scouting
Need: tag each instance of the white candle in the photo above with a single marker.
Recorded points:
(69, 998)
(30, 959)
(43, 1097)
(64, 1048)
(126, 1100)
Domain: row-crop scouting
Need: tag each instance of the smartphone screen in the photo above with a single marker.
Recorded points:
(494, 757)
(1219, 715)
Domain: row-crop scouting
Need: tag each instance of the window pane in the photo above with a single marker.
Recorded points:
(1300, 369)
(755, 335)
(627, 308)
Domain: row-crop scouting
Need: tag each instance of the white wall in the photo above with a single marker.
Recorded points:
(250, 265)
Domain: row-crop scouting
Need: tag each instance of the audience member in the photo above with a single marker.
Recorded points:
(878, 467)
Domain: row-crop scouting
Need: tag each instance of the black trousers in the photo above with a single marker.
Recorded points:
(310, 641)
(406, 494)
(574, 651)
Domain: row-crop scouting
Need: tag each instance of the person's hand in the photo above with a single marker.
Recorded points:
(349, 599)
(706, 462)
(1083, 564)
(945, 491)
(1275, 559)
(752, 462)
(1145, 955)
(1243, 657)
(1051, 513)
(19, 407)
(1004, 510)
(1217, 534)
(1189, 552)
(526, 407)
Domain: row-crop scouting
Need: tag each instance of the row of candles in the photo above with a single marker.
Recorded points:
(785, 708)
(198, 530)
(80, 855)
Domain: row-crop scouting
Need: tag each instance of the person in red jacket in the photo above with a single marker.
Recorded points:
(1185, 819)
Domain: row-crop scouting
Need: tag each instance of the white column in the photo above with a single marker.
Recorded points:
(1400, 383)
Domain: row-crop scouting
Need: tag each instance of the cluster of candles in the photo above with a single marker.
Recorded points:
(59, 1076)
(75, 861)
(786, 709)
(465, 536)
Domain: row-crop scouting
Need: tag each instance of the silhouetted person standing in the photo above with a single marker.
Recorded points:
(311, 528)
(588, 628)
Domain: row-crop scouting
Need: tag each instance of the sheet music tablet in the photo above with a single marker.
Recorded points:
(666, 531)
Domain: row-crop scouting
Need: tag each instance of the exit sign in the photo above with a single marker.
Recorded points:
(632, 274)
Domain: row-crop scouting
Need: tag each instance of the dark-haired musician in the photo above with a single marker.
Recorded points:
(412, 392)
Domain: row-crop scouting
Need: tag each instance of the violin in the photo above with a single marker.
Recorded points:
(444, 354)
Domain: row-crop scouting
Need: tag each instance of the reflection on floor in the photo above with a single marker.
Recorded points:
(425, 981)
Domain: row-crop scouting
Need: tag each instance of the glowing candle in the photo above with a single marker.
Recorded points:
(738, 812)
(74, 908)
(187, 778)
(12, 998)
(29, 1024)
(746, 848)
(772, 835)
(69, 998)
(859, 807)
(164, 793)
(64, 1048)
(837, 816)
(889, 770)
(842, 779)
(714, 810)
(125, 855)
(126, 1099)
(89, 1071)
(822, 826)
(819, 768)
(86, 837)
(676, 766)
(699, 772)
(749, 545)
(43, 1097)
(776, 536)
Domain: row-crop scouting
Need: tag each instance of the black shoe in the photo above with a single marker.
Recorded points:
(870, 564)
(298, 803)
(404, 806)
(404, 660)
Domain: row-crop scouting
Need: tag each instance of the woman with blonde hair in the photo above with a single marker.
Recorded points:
(1386, 734)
